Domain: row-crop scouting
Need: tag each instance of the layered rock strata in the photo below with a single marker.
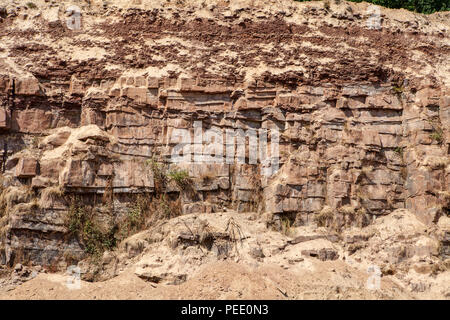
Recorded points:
(363, 115)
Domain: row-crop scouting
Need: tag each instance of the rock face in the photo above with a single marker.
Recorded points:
(363, 115)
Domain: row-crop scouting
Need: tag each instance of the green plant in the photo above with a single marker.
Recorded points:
(437, 132)
(81, 223)
(95, 240)
(169, 209)
(181, 177)
(159, 174)
(324, 217)
(286, 227)
(399, 151)
(35, 141)
(146, 212)
(397, 89)
(31, 5)
(422, 6)
(161, 206)
(437, 136)
(134, 220)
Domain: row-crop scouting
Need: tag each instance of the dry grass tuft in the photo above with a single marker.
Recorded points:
(324, 217)
(234, 233)
(435, 163)
(287, 228)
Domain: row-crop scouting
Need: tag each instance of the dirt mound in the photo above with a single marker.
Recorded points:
(198, 257)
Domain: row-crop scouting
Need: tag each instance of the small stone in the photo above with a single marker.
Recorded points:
(257, 253)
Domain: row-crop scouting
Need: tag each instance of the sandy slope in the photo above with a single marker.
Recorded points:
(281, 270)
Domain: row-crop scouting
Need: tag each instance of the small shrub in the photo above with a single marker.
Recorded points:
(399, 151)
(96, 240)
(347, 210)
(361, 211)
(437, 133)
(146, 212)
(208, 176)
(437, 162)
(234, 233)
(286, 227)
(134, 221)
(437, 136)
(50, 194)
(35, 141)
(169, 209)
(31, 5)
(206, 234)
(324, 217)
(366, 170)
(161, 206)
(159, 174)
(12, 196)
(422, 6)
(181, 177)
(56, 191)
(445, 195)
(34, 204)
(397, 89)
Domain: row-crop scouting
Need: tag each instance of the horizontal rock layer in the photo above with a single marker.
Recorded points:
(363, 130)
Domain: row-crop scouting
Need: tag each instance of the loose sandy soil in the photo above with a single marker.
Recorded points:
(281, 270)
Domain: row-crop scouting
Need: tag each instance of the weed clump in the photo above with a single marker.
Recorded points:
(159, 171)
(31, 5)
(287, 228)
(437, 133)
(324, 217)
(234, 233)
(399, 151)
(437, 136)
(95, 237)
(181, 178)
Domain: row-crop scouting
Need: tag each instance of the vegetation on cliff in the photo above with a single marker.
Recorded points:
(421, 6)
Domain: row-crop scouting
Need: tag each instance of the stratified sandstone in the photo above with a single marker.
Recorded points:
(363, 114)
